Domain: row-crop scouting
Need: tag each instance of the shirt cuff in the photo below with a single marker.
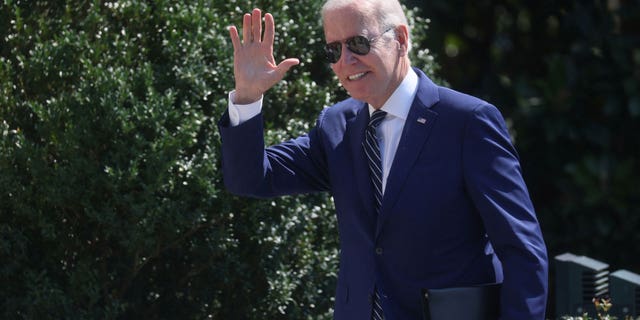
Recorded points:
(239, 113)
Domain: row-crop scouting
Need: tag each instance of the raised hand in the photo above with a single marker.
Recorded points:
(255, 68)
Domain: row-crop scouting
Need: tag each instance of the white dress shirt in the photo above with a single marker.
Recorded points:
(389, 131)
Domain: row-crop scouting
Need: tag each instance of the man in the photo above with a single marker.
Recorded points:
(431, 198)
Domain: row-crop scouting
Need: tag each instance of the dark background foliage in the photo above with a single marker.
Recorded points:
(566, 74)
(111, 200)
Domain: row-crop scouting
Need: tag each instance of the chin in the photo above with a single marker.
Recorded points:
(358, 94)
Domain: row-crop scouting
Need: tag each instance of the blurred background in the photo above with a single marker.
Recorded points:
(111, 199)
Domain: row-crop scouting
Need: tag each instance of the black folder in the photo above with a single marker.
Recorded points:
(465, 303)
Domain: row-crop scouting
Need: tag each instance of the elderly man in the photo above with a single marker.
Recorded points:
(430, 198)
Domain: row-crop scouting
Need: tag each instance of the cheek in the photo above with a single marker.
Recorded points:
(336, 70)
(334, 67)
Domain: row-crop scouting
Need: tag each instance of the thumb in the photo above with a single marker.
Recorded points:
(285, 65)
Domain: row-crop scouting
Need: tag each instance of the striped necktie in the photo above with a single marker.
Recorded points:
(372, 151)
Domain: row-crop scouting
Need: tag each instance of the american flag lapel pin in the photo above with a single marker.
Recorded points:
(422, 120)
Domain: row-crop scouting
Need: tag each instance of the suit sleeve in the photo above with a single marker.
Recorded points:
(494, 181)
(291, 167)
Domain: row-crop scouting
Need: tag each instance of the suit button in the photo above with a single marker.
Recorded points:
(379, 251)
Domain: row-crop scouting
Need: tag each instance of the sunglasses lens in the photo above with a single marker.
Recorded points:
(333, 51)
(359, 45)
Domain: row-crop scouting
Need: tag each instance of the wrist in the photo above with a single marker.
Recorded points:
(241, 97)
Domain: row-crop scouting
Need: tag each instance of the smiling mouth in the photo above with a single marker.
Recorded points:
(356, 76)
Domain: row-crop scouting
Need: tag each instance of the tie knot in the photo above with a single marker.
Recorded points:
(376, 118)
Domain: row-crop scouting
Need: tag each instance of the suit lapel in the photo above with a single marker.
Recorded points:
(417, 129)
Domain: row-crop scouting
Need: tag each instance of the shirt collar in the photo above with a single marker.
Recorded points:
(400, 101)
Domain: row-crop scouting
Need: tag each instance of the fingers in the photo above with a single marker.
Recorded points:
(235, 38)
(256, 25)
(252, 26)
(269, 29)
(246, 28)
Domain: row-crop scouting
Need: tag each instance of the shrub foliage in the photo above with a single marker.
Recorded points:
(111, 200)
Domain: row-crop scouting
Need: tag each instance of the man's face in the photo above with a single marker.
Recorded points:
(372, 77)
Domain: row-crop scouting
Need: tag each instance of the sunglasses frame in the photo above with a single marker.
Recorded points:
(359, 45)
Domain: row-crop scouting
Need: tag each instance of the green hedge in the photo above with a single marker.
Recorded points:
(111, 200)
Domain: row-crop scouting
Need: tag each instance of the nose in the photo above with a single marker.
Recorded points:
(346, 56)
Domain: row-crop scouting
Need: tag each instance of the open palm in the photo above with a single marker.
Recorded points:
(255, 68)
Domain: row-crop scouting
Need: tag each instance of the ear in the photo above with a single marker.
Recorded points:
(402, 36)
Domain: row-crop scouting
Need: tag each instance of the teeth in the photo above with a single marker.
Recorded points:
(356, 76)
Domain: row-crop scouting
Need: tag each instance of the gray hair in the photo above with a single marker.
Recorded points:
(386, 13)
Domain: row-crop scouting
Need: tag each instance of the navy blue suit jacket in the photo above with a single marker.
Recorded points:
(456, 211)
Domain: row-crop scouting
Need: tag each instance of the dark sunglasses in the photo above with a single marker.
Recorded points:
(359, 45)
